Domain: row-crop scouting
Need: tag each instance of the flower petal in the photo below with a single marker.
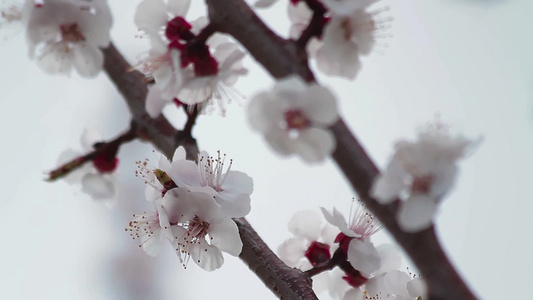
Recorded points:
(96, 186)
(307, 224)
(416, 213)
(225, 236)
(363, 256)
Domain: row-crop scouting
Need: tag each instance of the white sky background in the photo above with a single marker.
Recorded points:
(468, 61)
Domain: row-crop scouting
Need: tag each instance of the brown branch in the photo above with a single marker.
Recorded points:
(287, 283)
(103, 147)
(315, 26)
(281, 59)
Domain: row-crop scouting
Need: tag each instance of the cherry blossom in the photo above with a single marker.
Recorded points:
(312, 244)
(63, 34)
(422, 172)
(350, 33)
(294, 117)
(354, 238)
(201, 231)
(151, 229)
(195, 74)
(230, 189)
(96, 178)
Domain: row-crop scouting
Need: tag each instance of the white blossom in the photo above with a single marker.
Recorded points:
(63, 34)
(230, 189)
(345, 39)
(98, 184)
(422, 172)
(361, 252)
(202, 231)
(151, 229)
(311, 237)
(294, 117)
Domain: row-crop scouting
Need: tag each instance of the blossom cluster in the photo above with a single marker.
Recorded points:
(421, 172)
(187, 67)
(349, 30)
(362, 270)
(194, 204)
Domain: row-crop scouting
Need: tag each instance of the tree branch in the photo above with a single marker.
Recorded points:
(285, 282)
(103, 147)
(281, 58)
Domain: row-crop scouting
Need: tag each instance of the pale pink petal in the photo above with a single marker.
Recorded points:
(88, 60)
(416, 213)
(396, 281)
(234, 205)
(178, 7)
(151, 244)
(315, 144)
(206, 256)
(363, 256)
(321, 107)
(97, 187)
(225, 236)
(151, 15)
(417, 288)
(179, 154)
(155, 101)
(307, 224)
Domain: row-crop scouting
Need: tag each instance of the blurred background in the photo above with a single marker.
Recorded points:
(468, 61)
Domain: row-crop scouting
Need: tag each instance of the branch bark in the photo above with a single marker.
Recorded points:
(285, 282)
(282, 58)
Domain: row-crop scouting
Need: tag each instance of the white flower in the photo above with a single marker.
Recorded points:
(206, 90)
(95, 178)
(345, 38)
(206, 78)
(422, 172)
(65, 34)
(151, 229)
(362, 254)
(202, 229)
(230, 189)
(312, 244)
(294, 117)
(164, 64)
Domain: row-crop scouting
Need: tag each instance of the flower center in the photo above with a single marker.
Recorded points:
(317, 253)
(197, 229)
(144, 226)
(422, 184)
(295, 119)
(71, 33)
(212, 171)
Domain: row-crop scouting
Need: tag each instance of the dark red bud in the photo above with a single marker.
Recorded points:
(178, 29)
(318, 253)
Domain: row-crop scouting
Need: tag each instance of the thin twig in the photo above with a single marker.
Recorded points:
(103, 147)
